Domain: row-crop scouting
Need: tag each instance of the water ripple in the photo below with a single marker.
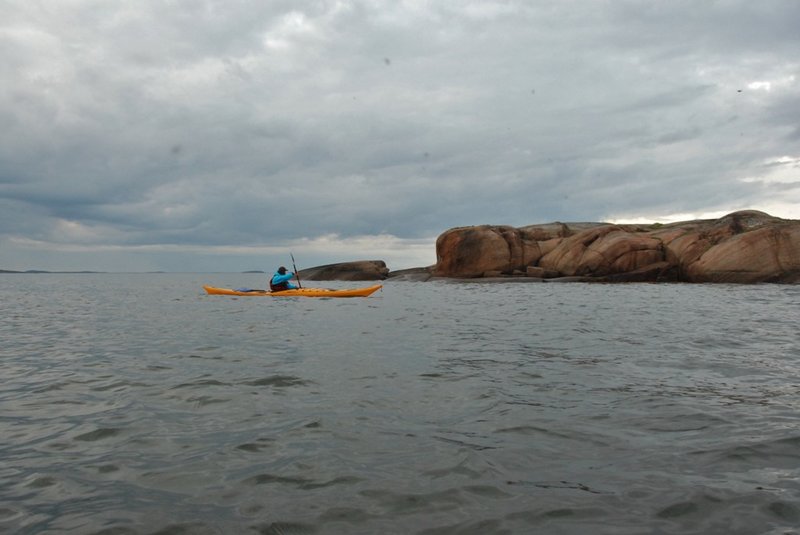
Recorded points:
(137, 404)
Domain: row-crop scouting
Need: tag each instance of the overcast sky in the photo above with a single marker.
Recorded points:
(190, 135)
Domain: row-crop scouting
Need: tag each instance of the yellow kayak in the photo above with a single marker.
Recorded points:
(299, 292)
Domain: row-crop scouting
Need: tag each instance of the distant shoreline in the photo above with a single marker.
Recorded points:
(43, 272)
(38, 271)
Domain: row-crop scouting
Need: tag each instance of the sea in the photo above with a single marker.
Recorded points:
(137, 404)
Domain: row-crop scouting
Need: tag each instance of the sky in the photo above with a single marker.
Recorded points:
(205, 135)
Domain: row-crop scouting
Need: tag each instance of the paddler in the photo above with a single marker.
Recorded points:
(280, 280)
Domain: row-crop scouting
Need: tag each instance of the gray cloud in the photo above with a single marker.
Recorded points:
(271, 125)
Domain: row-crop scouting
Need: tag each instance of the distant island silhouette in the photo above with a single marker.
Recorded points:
(43, 271)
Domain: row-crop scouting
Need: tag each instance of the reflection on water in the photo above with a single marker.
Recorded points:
(137, 404)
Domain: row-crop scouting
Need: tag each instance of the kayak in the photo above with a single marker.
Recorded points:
(298, 292)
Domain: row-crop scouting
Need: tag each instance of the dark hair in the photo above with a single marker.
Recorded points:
(282, 270)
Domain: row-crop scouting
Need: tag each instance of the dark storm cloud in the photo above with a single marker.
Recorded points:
(224, 124)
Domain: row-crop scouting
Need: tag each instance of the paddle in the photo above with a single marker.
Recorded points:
(296, 274)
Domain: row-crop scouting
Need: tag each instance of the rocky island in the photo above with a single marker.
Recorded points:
(742, 247)
(361, 270)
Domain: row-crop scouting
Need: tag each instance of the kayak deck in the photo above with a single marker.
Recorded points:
(298, 292)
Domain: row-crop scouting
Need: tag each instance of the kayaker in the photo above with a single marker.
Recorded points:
(280, 280)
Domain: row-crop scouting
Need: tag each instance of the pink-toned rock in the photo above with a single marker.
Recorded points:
(745, 246)
(768, 254)
(540, 273)
(545, 247)
(603, 251)
(684, 250)
(656, 272)
(472, 251)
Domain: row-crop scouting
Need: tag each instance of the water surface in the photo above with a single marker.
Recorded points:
(137, 404)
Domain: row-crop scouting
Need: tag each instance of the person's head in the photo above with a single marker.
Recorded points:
(282, 270)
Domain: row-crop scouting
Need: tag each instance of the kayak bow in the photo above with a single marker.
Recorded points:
(298, 292)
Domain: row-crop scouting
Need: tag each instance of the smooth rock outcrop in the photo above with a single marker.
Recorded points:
(360, 270)
(419, 274)
(743, 247)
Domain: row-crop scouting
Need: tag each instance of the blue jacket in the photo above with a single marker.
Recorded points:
(278, 279)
